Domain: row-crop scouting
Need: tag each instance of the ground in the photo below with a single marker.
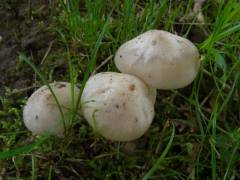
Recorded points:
(196, 129)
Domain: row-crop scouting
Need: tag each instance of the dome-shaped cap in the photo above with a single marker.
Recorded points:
(41, 114)
(119, 106)
(163, 60)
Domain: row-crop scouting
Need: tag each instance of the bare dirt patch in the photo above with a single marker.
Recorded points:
(24, 28)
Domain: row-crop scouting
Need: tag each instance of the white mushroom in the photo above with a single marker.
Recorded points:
(118, 106)
(41, 113)
(163, 60)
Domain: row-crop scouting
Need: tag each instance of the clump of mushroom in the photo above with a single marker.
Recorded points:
(41, 113)
(118, 106)
(163, 60)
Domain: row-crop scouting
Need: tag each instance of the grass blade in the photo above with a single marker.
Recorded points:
(33, 168)
(161, 158)
(92, 62)
(21, 150)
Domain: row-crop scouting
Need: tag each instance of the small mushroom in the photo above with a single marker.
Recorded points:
(163, 60)
(118, 106)
(41, 113)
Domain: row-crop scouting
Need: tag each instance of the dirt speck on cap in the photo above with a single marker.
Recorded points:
(131, 87)
(136, 119)
(154, 42)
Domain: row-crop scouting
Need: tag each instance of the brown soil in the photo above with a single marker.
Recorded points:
(23, 28)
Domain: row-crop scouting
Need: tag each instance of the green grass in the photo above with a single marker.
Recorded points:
(205, 139)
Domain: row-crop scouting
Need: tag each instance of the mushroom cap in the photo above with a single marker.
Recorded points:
(41, 114)
(118, 106)
(163, 60)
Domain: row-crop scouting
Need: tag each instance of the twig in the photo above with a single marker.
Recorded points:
(15, 91)
(102, 64)
(47, 52)
(197, 9)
